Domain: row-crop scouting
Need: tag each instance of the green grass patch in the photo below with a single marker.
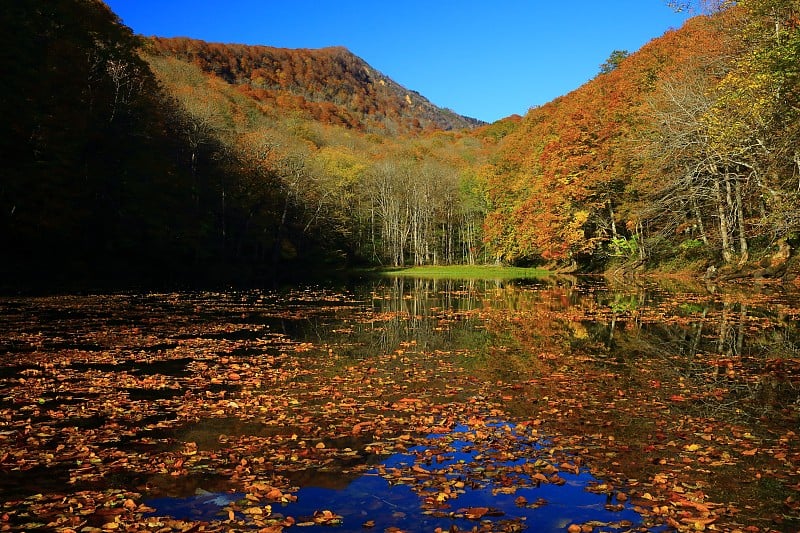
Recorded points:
(469, 272)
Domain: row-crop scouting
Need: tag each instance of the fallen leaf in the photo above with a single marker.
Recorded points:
(475, 513)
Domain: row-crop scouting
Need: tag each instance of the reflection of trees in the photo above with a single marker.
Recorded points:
(443, 314)
(724, 353)
(725, 356)
(432, 314)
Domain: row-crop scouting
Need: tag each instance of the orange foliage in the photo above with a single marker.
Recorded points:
(562, 172)
(330, 85)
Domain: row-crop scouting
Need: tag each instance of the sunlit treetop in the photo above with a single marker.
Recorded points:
(700, 6)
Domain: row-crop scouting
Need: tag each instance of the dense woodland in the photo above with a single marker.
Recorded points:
(132, 160)
(687, 149)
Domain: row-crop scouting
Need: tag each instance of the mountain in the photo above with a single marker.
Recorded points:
(156, 161)
(330, 85)
(175, 160)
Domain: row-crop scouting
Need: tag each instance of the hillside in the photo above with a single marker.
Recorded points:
(168, 161)
(330, 85)
(164, 160)
(680, 156)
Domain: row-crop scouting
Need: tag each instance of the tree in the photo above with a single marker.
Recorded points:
(84, 133)
(754, 121)
(727, 136)
(613, 61)
(391, 195)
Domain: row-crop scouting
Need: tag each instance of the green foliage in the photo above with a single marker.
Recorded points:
(624, 304)
(500, 128)
(690, 308)
(613, 61)
(691, 245)
(627, 247)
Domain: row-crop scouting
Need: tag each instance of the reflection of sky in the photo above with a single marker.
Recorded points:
(370, 497)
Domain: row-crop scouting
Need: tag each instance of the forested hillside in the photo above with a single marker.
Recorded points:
(352, 189)
(330, 85)
(127, 164)
(684, 153)
(132, 160)
(90, 186)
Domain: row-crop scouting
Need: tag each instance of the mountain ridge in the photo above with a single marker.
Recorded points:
(330, 84)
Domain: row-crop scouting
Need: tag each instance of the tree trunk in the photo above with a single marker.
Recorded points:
(613, 223)
(699, 217)
(743, 250)
(723, 222)
(640, 241)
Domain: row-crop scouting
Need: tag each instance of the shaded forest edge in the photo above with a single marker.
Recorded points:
(132, 162)
(124, 165)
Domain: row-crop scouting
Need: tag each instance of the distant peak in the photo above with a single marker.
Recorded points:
(330, 84)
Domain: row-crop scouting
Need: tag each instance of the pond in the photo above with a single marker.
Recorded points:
(403, 404)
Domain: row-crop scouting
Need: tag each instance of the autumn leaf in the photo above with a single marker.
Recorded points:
(474, 513)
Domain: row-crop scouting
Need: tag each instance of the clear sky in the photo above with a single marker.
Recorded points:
(482, 58)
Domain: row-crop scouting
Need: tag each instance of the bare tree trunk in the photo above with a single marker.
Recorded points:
(613, 223)
(723, 222)
(640, 241)
(699, 217)
(743, 250)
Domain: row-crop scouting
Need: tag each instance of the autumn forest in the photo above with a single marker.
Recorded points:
(133, 160)
(211, 319)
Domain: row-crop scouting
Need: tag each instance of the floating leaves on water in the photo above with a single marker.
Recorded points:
(156, 391)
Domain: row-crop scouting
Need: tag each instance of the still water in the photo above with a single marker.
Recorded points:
(371, 501)
(411, 404)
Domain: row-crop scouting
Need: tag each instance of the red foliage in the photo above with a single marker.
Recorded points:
(330, 85)
(559, 171)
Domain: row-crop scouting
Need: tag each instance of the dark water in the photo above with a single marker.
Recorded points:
(490, 327)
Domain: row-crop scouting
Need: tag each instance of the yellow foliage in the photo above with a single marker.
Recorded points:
(341, 163)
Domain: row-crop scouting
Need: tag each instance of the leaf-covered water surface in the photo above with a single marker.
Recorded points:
(402, 405)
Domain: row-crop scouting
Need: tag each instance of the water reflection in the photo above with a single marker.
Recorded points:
(133, 376)
(711, 344)
(713, 341)
(455, 482)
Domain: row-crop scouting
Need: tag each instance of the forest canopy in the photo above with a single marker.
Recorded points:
(685, 148)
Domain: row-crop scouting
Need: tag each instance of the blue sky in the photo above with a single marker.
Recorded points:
(482, 58)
